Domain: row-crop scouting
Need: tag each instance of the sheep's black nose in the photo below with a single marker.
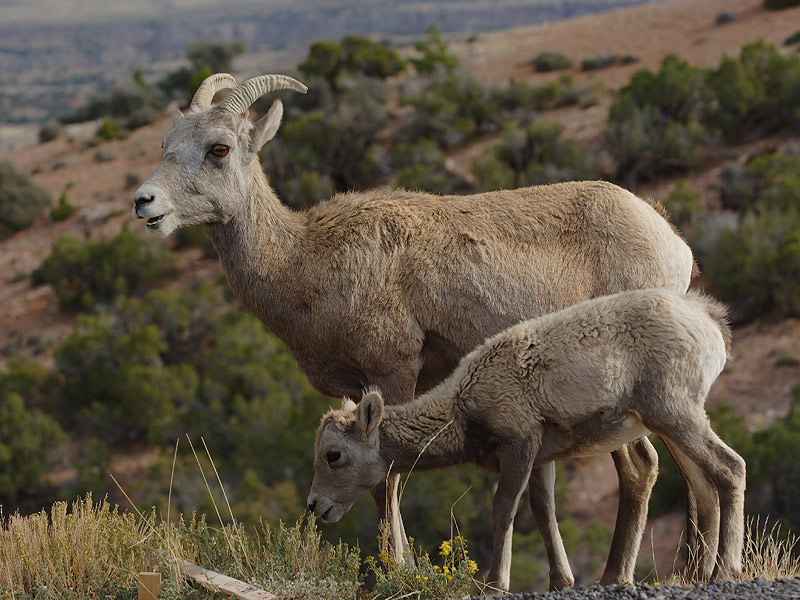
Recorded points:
(140, 201)
(312, 506)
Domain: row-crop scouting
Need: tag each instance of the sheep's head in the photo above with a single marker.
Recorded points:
(207, 162)
(347, 458)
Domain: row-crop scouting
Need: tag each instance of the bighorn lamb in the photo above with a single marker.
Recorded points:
(391, 288)
(579, 382)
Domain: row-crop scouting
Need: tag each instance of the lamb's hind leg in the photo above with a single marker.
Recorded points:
(702, 516)
(694, 437)
(542, 496)
(516, 460)
(637, 469)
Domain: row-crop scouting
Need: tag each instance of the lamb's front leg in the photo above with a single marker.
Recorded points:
(516, 461)
(543, 506)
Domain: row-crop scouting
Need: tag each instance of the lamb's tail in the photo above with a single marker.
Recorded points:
(717, 311)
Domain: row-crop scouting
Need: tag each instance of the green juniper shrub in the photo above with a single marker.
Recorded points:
(532, 156)
(755, 266)
(421, 166)
(331, 148)
(29, 442)
(754, 94)
(551, 61)
(50, 131)
(792, 39)
(64, 209)
(780, 4)
(726, 17)
(771, 180)
(434, 54)
(21, 200)
(685, 208)
(452, 108)
(353, 55)
(217, 55)
(85, 273)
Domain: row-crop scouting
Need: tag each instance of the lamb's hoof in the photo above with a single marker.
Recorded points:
(560, 582)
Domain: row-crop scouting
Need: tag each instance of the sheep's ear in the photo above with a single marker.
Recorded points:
(176, 117)
(348, 404)
(266, 127)
(370, 412)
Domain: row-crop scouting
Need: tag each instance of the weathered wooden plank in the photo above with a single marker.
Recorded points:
(223, 583)
(149, 585)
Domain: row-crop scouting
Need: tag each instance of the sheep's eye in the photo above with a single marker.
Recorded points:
(219, 150)
(332, 457)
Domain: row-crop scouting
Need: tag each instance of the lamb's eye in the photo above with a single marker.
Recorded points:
(219, 150)
(332, 457)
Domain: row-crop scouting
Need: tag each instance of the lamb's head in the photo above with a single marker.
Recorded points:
(347, 459)
(210, 155)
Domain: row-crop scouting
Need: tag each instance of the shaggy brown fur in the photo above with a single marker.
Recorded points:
(391, 288)
(579, 382)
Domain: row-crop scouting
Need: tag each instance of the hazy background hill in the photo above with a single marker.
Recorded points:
(54, 55)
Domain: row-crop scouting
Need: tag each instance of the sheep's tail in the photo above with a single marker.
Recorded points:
(717, 311)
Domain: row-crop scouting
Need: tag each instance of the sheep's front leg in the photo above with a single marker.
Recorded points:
(543, 506)
(515, 467)
(637, 469)
(387, 500)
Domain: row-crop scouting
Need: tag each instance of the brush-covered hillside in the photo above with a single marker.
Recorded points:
(114, 345)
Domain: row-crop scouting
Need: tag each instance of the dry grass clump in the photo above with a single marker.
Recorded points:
(91, 551)
(770, 553)
(85, 550)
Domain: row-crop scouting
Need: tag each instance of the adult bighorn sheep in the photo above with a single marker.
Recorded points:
(390, 288)
(579, 382)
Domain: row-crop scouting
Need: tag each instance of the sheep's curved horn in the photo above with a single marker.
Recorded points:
(240, 99)
(210, 86)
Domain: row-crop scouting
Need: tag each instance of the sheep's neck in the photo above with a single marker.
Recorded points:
(257, 248)
(426, 433)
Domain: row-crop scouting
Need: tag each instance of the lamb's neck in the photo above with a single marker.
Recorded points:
(259, 248)
(427, 433)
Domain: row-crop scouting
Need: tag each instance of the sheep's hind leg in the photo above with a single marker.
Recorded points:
(702, 516)
(542, 496)
(516, 460)
(694, 437)
(637, 469)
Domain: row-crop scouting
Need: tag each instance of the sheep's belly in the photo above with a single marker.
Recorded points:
(629, 430)
(589, 438)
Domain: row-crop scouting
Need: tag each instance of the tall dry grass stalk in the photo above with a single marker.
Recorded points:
(769, 553)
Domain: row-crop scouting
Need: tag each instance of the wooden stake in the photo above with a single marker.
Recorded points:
(224, 584)
(149, 585)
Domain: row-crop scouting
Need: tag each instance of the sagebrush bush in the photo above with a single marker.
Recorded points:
(551, 61)
(85, 273)
(21, 201)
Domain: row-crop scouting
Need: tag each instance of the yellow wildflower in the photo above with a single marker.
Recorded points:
(472, 567)
(446, 548)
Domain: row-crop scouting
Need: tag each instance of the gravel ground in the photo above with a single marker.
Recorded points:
(783, 589)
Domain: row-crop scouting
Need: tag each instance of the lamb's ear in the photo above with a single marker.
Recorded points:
(266, 127)
(370, 412)
(176, 117)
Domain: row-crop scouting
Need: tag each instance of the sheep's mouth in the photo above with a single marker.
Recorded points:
(326, 515)
(153, 221)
